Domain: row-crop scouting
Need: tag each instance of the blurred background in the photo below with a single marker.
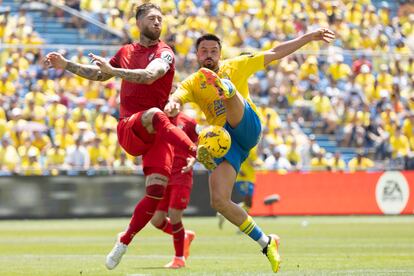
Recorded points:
(343, 107)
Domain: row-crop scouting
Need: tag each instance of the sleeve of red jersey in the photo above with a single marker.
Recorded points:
(115, 60)
(167, 55)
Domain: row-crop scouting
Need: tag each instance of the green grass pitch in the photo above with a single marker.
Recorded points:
(309, 246)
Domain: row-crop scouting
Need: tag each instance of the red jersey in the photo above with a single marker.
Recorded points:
(188, 125)
(137, 97)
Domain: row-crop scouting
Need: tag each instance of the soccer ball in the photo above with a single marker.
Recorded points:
(216, 139)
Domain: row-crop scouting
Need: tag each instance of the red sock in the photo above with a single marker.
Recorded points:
(178, 235)
(166, 226)
(172, 134)
(143, 212)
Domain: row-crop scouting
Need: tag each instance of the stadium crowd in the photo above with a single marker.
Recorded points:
(358, 91)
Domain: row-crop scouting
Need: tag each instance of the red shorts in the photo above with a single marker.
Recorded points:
(177, 193)
(157, 154)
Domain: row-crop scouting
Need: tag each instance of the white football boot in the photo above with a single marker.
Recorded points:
(115, 256)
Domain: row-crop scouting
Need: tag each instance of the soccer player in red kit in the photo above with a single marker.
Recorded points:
(177, 197)
(147, 70)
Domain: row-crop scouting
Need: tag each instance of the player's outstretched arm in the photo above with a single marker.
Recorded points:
(288, 47)
(155, 70)
(91, 72)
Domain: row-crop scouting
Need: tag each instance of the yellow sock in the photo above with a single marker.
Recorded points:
(250, 228)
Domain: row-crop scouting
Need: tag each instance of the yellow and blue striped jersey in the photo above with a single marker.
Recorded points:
(237, 69)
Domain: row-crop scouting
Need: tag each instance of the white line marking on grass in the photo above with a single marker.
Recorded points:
(83, 256)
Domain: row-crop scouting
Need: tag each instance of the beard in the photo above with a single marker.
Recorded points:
(153, 35)
(209, 64)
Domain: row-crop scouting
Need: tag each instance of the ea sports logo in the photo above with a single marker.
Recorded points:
(392, 193)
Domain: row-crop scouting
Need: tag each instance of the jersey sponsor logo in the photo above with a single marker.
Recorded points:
(151, 57)
(219, 107)
(167, 56)
(392, 193)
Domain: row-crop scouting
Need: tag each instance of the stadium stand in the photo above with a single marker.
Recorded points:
(351, 100)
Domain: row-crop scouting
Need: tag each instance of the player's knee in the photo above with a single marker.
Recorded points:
(155, 191)
(148, 115)
(218, 202)
(153, 111)
(157, 219)
(155, 185)
(175, 220)
(175, 216)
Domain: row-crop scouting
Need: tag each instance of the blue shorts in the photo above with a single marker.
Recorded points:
(243, 138)
(244, 188)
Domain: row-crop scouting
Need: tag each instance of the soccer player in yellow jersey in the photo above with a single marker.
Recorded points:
(221, 91)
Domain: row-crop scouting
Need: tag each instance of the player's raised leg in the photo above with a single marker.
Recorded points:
(232, 100)
(155, 120)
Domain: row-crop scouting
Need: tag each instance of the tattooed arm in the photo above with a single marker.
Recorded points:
(155, 70)
(145, 76)
(91, 72)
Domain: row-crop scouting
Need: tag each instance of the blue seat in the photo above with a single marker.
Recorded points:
(323, 137)
(327, 143)
(346, 150)
(330, 149)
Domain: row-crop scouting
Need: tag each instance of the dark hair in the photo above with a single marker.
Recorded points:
(208, 37)
(145, 8)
